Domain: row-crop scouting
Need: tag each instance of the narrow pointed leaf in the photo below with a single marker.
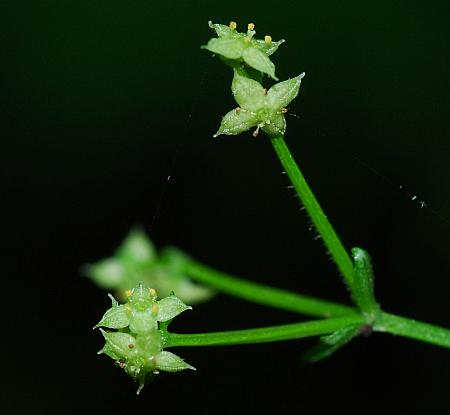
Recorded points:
(363, 283)
(236, 122)
(282, 93)
(330, 344)
(171, 362)
(170, 307)
(260, 61)
(230, 48)
(115, 318)
(249, 94)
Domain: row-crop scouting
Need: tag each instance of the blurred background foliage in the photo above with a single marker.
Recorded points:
(107, 116)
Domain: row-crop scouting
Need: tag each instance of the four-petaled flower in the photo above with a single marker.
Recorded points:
(259, 107)
(242, 46)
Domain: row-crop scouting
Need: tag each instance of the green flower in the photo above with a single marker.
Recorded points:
(258, 107)
(243, 47)
(142, 312)
(138, 345)
(136, 261)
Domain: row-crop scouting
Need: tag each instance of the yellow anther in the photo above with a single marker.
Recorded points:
(155, 309)
(233, 25)
(128, 293)
(152, 292)
(251, 26)
(268, 39)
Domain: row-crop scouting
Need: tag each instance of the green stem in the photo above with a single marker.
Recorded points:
(263, 334)
(263, 294)
(322, 224)
(387, 323)
(413, 329)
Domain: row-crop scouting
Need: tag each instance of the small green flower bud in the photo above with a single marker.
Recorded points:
(243, 47)
(258, 107)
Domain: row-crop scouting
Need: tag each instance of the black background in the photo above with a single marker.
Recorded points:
(102, 101)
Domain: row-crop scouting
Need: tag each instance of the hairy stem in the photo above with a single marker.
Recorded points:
(263, 294)
(413, 329)
(263, 334)
(317, 215)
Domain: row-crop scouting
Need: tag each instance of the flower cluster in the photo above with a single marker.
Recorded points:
(232, 44)
(258, 107)
(136, 261)
(137, 345)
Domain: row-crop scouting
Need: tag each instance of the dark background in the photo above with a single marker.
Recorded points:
(101, 101)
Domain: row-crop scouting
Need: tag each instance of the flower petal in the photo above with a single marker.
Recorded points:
(119, 344)
(107, 273)
(276, 125)
(137, 247)
(230, 48)
(236, 122)
(260, 61)
(282, 93)
(171, 362)
(170, 307)
(221, 29)
(248, 93)
(115, 318)
(267, 48)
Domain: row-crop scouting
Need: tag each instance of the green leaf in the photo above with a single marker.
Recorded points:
(363, 284)
(170, 307)
(331, 343)
(115, 318)
(249, 94)
(275, 126)
(171, 362)
(230, 48)
(282, 93)
(137, 248)
(260, 61)
(236, 122)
